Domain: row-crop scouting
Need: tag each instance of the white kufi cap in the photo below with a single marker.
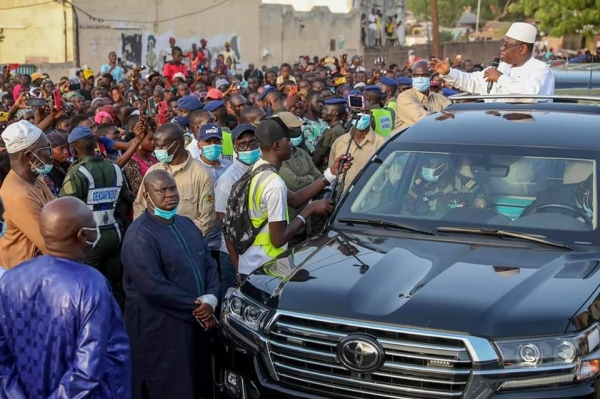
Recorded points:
(522, 32)
(20, 135)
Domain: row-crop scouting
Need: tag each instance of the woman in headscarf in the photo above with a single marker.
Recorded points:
(140, 162)
(60, 161)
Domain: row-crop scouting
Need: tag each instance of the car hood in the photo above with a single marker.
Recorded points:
(478, 289)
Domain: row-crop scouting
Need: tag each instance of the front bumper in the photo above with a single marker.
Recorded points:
(252, 382)
(248, 373)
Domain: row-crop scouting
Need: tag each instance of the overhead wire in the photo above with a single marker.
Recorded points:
(93, 18)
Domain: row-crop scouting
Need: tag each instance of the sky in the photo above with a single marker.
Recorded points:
(335, 6)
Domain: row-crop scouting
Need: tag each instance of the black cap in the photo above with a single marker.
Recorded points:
(273, 129)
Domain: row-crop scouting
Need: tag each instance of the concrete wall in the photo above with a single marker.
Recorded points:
(285, 34)
(476, 51)
(36, 33)
(187, 21)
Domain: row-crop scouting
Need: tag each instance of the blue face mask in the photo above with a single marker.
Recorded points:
(212, 152)
(249, 157)
(183, 121)
(3, 229)
(421, 84)
(363, 123)
(163, 155)
(161, 213)
(430, 174)
(268, 111)
(296, 141)
(41, 171)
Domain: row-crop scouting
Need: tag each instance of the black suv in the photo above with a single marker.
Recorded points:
(462, 263)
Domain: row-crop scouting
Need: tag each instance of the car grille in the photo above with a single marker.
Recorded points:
(303, 351)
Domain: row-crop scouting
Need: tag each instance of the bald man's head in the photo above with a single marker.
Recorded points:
(160, 191)
(253, 115)
(66, 224)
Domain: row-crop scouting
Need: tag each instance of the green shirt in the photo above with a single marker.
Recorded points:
(324, 146)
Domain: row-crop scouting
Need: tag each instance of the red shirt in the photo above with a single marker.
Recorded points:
(171, 69)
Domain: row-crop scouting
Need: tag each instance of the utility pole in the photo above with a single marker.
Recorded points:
(435, 28)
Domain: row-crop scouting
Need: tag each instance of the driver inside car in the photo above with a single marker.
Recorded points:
(575, 200)
(439, 188)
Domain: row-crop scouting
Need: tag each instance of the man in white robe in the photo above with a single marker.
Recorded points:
(518, 73)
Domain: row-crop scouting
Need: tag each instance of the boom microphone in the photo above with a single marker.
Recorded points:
(495, 64)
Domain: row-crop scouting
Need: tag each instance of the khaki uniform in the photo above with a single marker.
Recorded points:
(362, 154)
(196, 193)
(412, 106)
(326, 142)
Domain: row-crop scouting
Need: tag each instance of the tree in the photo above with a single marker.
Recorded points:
(451, 10)
(563, 17)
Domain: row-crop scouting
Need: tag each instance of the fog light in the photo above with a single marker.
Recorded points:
(232, 380)
(566, 351)
(529, 353)
(588, 369)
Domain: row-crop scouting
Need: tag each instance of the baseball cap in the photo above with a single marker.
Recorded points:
(266, 91)
(36, 75)
(189, 103)
(273, 129)
(210, 131)
(214, 94)
(179, 75)
(290, 120)
(212, 106)
(241, 129)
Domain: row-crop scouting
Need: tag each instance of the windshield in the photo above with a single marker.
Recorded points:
(535, 191)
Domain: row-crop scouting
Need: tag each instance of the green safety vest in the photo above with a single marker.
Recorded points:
(384, 121)
(257, 217)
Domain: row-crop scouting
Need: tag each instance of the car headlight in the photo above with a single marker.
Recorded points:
(245, 312)
(539, 352)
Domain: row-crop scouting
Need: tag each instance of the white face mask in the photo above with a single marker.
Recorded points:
(95, 242)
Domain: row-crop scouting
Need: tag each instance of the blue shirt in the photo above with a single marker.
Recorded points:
(61, 331)
(223, 189)
(214, 237)
(116, 73)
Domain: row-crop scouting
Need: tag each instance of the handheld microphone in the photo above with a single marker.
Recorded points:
(495, 64)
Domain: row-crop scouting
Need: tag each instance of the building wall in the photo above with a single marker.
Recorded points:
(286, 34)
(36, 33)
(218, 21)
(477, 51)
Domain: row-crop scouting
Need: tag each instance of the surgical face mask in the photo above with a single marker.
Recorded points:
(421, 83)
(183, 121)
(161, 213)
(363, 122)
(3, 229)
(429, 174)
(163, 155)
(296, 141)
(268, 110)
(95, 242)
(249, 157)
(212, 152)
(41, 171)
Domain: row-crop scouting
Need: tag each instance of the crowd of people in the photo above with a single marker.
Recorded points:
(174, 187)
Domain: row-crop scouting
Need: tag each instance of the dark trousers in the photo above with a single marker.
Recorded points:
(227, 274)
(106, 258)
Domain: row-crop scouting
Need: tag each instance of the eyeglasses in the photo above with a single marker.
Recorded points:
(247, 145)
(509, 45)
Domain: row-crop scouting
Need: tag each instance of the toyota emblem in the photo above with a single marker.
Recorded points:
(360, 353)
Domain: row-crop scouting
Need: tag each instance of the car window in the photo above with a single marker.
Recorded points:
(543, 193)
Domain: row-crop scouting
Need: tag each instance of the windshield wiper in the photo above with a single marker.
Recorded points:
(388, 225)
(505, 233)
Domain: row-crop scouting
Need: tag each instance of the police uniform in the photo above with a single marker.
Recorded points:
(426, 198)
(383, 117)
(101, 185)
(227, 154)
(390, 103)
(331, 134)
